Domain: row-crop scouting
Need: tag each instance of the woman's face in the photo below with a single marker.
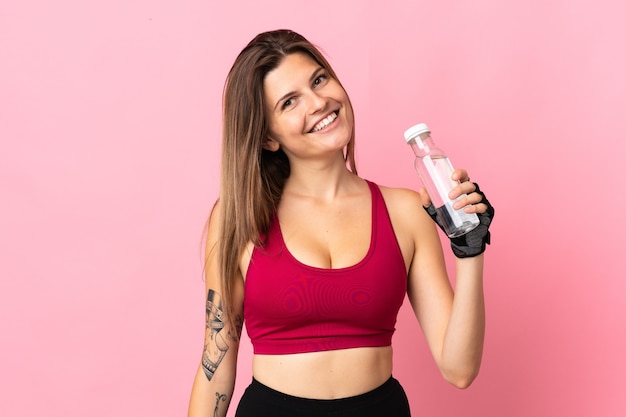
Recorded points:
(309, 112)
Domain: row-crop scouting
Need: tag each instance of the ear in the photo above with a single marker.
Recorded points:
(271, 144)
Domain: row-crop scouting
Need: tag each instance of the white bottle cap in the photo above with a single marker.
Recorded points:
(415, 130)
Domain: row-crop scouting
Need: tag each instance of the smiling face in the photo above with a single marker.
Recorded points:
(309, 112)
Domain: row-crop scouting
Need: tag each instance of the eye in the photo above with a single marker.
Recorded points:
(321, 79)
(287, 103)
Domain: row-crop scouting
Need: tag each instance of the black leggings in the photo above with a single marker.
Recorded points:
(388, 400)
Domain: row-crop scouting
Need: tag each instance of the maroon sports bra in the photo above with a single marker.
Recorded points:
(290, 307)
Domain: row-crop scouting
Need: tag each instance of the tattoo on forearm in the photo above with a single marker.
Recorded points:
(215, 345)
(218, 397)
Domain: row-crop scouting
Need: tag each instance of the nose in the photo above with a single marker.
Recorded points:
(317, 102)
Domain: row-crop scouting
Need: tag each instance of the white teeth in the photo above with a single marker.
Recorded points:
(328, 120)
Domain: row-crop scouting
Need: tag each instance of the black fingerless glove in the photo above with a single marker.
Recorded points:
(475, 241)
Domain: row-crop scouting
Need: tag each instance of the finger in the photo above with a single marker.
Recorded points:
(460, 175)
(477, 208)
(465, 202)
(466, 187)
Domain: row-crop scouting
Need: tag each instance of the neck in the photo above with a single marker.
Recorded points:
(320, 181)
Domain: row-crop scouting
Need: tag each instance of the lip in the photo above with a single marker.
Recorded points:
(336, 111)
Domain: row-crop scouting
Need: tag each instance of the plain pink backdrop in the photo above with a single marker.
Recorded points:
(110, 137)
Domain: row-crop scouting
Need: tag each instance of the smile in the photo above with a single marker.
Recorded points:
(325, 122)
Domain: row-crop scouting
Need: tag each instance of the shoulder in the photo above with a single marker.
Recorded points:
(400, 200)
(211, 232)
(213, 222)
(214, 238)
(415, 231)
(399, 195)
(406, 211)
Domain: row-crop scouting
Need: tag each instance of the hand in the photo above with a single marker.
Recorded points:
(473, 201)
(474, 242)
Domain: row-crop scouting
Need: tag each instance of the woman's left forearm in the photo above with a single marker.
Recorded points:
(464, 338)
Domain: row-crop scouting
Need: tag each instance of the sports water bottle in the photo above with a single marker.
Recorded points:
(435, 171)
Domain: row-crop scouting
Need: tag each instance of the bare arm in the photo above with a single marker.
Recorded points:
(214, 382)
(453, 320)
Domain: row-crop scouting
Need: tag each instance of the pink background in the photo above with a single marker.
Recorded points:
(110, 130)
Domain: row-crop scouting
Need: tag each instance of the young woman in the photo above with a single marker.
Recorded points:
(318, 260)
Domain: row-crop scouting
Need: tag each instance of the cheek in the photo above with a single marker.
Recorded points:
(349, 112)
(293, 122)
(284, 126)
(274, 125)
(343, 96)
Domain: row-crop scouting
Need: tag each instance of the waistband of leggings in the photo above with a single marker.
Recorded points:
(386, 389)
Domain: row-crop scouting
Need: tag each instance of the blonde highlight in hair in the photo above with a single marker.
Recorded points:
(252, 178)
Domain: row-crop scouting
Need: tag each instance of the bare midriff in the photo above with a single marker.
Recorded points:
(325, 375)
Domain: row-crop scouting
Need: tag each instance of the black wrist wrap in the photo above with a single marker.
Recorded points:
(475, 241)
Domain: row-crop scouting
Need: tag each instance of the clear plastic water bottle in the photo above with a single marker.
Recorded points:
(435, 171)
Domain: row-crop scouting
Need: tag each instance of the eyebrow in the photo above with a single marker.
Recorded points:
(311, 78)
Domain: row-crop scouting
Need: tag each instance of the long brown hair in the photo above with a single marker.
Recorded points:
(252, 177)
